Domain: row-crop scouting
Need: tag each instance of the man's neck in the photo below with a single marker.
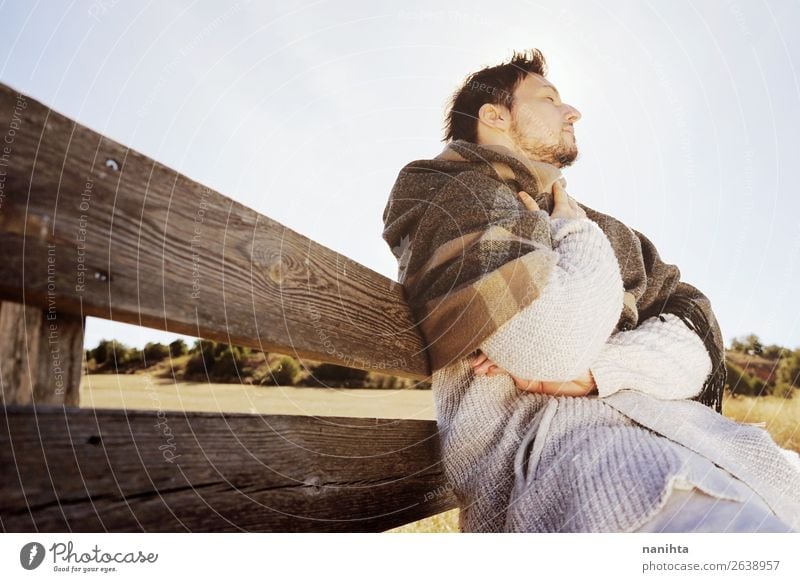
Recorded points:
(508, 147)
(515, 152)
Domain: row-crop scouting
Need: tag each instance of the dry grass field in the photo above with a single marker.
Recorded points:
(781, 416)
(142, 391)
(147, 392)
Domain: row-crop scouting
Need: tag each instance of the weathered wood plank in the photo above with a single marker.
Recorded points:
(95, 470)
(131, 240)
(41, 353)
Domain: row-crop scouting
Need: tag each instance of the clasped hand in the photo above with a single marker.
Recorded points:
(583, 385)
(563, 207)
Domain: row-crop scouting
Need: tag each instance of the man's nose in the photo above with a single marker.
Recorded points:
(573, 114)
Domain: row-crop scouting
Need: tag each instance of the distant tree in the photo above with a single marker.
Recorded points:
(335, 375)
(178, 348)
(228, 362)
(216, 360)
(773, 352)
(128, 357)
(155, 352)
(202, 361)
(753, 345)
(789, 369)
(740, 382)
(282, 373)
(103, 352)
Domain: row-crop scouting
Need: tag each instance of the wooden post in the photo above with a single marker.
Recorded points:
(41, 355)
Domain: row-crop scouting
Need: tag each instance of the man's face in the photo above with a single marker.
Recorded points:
(541, 125)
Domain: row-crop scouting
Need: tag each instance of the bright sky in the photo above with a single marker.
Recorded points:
(306, 111)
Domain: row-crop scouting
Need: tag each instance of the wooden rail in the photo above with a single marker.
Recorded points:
(89, 227)
(94, 470)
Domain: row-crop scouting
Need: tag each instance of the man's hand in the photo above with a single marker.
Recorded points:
(583, 385)
(563, 204)
(563, 207)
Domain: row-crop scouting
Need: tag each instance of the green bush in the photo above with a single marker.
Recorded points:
(129, 357)
(386, 382)
(104, 351)
(195, 367)
(740, 382)
(155, 352)
(784, 390)
(216, 361)
(339, 376)
(283, 373)
(773, 352)
(201, 363)
(178, 348)
(789, 369)
(228, 363)
(749, 344)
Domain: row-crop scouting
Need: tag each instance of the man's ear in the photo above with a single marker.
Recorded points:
(494, 116)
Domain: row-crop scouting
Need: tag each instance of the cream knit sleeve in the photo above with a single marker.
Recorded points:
(561, 333)
(661, 357)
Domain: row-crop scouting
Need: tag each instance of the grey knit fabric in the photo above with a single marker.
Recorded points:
(520, 461)
(525, 462)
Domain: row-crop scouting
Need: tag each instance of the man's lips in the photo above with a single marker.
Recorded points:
(570, 130)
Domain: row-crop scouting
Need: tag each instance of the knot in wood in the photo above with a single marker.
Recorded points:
(313, 485)
(277, 270)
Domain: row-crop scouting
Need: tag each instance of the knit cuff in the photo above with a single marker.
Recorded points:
(662, 357)
(561, 227)
(558, 335)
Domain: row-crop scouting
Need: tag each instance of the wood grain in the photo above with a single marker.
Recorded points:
(119, 236)
(42, 354)
(92, 470)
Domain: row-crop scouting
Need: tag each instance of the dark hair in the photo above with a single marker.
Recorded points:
(494, 85)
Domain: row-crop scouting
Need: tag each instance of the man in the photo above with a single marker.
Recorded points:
(563, 350)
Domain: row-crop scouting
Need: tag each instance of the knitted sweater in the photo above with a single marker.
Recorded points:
(472, 256)
(539, 296)
(520, 461)
(567, 328)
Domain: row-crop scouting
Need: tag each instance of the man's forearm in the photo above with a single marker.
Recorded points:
(662, 357)
(564, 329)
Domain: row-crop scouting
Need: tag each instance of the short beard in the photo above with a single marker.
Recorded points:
(560, 155)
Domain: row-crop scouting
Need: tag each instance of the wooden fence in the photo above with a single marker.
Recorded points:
(90, 227)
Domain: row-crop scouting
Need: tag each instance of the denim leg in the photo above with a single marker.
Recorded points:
(691, 510)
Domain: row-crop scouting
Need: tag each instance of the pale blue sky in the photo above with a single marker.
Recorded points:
(305, 111)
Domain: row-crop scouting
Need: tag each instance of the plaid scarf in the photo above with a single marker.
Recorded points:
(467, 253)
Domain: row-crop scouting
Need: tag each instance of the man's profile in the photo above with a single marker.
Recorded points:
(577, 379)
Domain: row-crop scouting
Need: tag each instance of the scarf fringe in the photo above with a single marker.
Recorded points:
(692, 315)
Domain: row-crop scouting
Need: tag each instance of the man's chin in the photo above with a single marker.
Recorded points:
(561, 157)
(567, 158)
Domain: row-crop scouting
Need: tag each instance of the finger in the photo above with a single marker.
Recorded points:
(528, 201)
(576, 207)
(572, 203)
(478, 359)
(484, 367)
(560, 198)
(565, 389)
(528, 385)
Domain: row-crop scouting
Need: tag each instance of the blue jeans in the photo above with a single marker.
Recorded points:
(691, 510)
